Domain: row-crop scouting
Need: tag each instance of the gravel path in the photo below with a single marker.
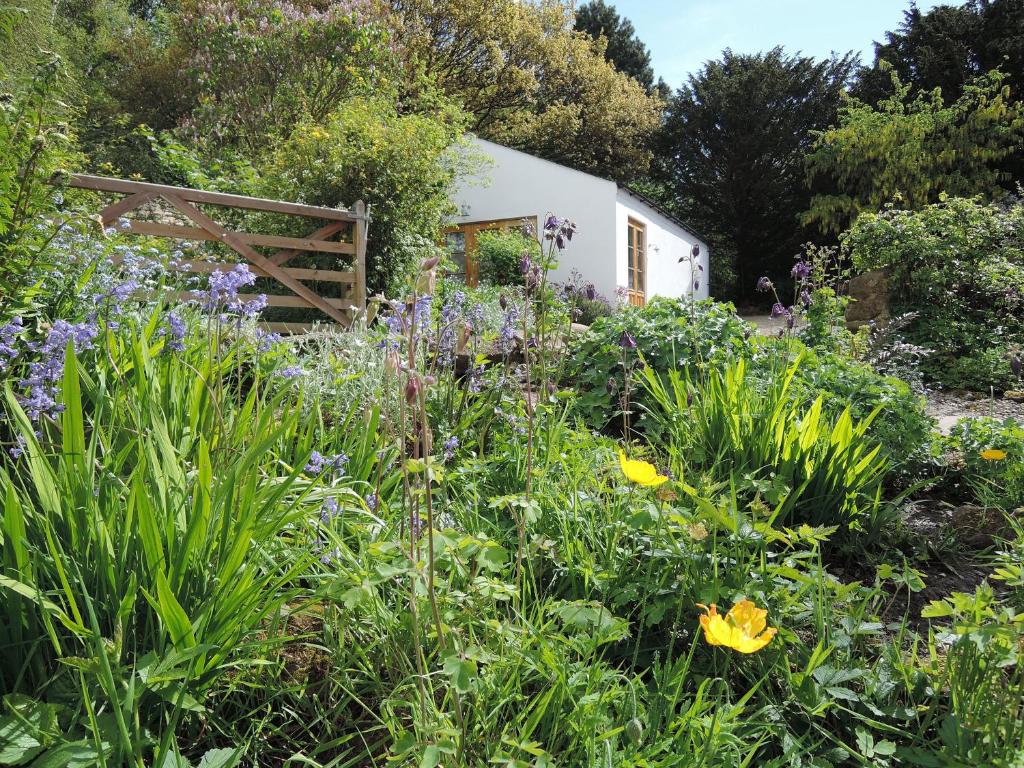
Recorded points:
(947, 407)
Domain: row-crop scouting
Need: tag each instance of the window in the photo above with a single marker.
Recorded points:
(636, 263)
(461, 244)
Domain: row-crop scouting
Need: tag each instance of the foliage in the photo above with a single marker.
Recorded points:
(910, 149)
(35, 143)
(959, 266)
(623, 48)
(500, 253)
(669, 333)
(264, 65)
(529, 80)
(222, 547)
(991, 482)
(731, 153)
(948, 46)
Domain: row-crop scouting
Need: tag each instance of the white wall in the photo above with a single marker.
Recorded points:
(667, 242)
(517, 184)
(514, 184)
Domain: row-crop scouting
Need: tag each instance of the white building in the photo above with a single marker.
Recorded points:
(623, 240)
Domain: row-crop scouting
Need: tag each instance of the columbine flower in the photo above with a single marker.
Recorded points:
(450, 446)
(743, 629)
(640, 472)
(801, 270)
(626, 340)
(993, 454)
(764, 285)
(779, 311)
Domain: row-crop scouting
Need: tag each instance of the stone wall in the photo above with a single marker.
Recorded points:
(869, 299)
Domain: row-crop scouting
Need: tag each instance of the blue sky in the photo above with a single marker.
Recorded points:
(682, 34)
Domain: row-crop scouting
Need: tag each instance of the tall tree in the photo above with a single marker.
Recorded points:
(910, 150)
(731, 154)
(624, 48)
(947, 47)
(529, 80)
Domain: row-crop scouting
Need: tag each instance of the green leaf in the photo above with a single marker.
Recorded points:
(173, 615)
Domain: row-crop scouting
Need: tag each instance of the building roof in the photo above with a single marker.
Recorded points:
(625, 187)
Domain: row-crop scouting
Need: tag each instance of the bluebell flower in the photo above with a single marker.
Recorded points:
(290, 372)
(319, 464)
(9, 335)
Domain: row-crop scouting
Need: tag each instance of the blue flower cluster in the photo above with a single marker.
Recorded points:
(320, 464)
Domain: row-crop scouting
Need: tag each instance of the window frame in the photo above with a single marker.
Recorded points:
(636, 262)
(470, 230)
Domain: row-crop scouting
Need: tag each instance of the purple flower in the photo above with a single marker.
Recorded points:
(222, 292)
(778, 310)
(174, 329)
(525, 265)
(265, 341)
(506, 334)
(18, 448)
(329, 557)
(801, 270)
(626, 340)
(45, 373)
(372, 502)
(318, 463)
(328, 511)
(290, 372)
(805, 298)
(764, 285)
(450, 446)
(590, 292)
(9, 335)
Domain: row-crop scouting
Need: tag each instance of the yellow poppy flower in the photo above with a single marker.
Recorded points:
(993, 454)
(640, 472)
(743, 629)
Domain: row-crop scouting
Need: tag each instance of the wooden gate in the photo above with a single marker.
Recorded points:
(352, 223)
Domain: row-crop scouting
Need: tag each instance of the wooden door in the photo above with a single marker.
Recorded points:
(636, 263)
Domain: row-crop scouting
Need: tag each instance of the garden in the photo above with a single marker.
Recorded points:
(517, 524)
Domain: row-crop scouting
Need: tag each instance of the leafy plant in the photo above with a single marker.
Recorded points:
(818, 473)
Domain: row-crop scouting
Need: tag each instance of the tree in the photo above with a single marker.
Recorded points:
(948, 47)
(910, 150)
(623, 48)
(731, 154)
(529, 80)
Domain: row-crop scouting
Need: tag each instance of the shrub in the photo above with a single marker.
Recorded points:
(499, 254)
(959, 266)
(399, 164)
(670, 334)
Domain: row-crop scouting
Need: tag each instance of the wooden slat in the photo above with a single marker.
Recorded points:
(123, 206)
(256, 258)
(297, 328)
(333, 228)
(273, 300)
(274, 241)
(321, 275)
(201, 267)
(126, 186)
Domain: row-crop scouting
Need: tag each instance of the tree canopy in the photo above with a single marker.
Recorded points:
(624, 48)
(909, 150)
(731, 153)
(529, 80)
